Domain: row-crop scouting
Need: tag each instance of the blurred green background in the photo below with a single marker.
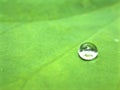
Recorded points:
(39, 41)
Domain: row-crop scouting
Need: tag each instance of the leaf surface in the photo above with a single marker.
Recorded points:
(40, 52)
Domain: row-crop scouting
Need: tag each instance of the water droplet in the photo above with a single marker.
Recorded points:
(88, 51)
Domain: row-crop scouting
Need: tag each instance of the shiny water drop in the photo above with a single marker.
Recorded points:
(88, 51)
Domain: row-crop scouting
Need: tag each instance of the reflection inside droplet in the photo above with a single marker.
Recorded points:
(88, 51)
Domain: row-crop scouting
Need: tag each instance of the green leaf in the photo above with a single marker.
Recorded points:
(37, 10)
(38, 49)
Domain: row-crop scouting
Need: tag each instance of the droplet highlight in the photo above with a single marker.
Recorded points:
(88, 51)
